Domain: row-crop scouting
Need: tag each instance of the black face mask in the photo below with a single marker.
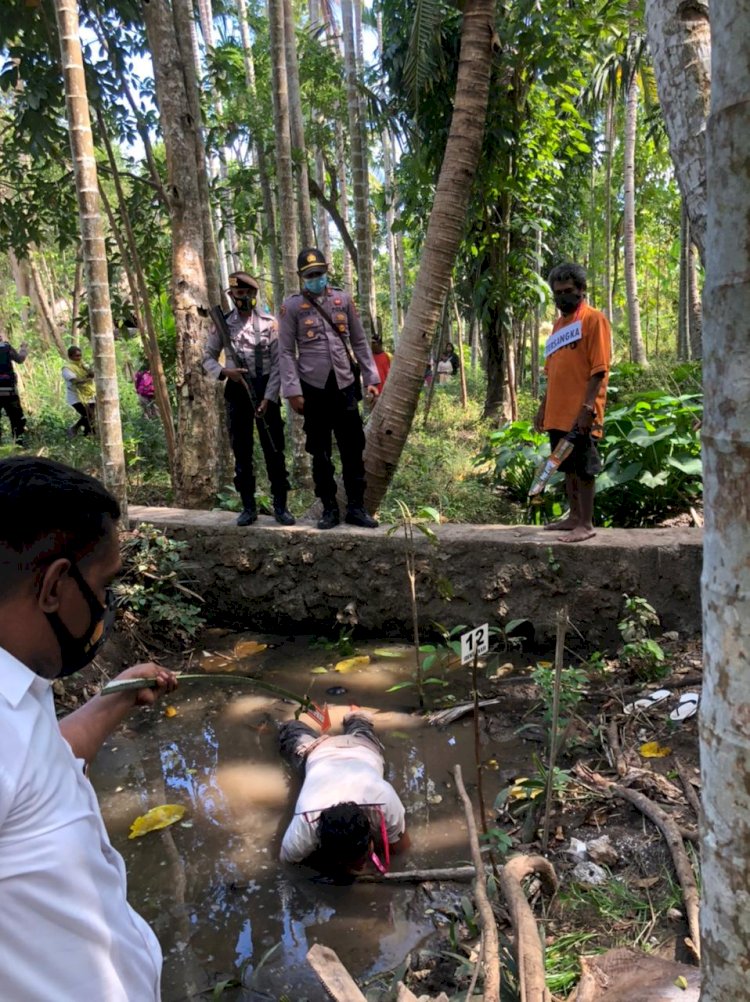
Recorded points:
(245, 303)
(568, 302)
(77, 652)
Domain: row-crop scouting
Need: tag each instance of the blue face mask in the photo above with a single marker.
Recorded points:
(316, 285)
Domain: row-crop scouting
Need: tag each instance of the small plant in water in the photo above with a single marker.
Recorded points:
(639, 651)
(574, 683)
(408, 523)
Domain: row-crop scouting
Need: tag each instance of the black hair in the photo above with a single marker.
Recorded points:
(48, 510)
(71, 351)
(344, 833)
(568, 272)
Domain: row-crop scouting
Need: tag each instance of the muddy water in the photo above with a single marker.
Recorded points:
(212, 887)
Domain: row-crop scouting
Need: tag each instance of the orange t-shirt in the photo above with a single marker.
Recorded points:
(579, 346)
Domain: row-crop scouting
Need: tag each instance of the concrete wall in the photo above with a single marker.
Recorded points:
(269, 578)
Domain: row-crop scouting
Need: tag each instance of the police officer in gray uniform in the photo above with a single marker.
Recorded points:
(321, 341)
(254, 339)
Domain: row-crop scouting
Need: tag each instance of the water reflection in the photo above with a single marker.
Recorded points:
(212, 886)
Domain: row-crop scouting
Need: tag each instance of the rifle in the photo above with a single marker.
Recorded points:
(220, 322)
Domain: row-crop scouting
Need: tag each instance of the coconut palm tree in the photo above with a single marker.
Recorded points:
(391, 419)
(94, 252)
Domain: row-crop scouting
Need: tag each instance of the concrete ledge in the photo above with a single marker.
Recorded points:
(270, 578)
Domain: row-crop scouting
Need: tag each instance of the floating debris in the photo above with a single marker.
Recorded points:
(349, 664)
(158, 817)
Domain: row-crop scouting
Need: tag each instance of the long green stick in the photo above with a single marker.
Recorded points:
(123, 685)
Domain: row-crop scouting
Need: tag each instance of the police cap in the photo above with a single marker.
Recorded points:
(240, 281)
(311, 259)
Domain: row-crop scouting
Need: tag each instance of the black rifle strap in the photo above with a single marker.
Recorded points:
(347, 346)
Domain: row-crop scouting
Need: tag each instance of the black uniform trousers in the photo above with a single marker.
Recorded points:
(11, 404)
(331, 411)
(241, 418)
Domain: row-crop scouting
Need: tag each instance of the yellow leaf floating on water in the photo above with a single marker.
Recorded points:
(170, 711)
(246, 648)
(158, 817)
(319, 671)
(217, 663)
(349, 664)
(390, 652)
(681, 982)
(652, 749)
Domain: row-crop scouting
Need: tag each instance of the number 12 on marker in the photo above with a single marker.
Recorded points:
(474, 643)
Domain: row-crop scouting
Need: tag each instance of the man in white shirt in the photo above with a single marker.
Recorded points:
(346, 814)
(66, 930)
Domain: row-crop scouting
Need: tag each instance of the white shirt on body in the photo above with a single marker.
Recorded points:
(67, 932)
(338, 770)
(71, 393)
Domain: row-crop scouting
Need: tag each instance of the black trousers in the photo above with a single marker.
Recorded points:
(86, 418)
(12, 407)
(330, 412)
(241, 419)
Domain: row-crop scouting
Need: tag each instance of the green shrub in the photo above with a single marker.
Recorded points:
(651, 460)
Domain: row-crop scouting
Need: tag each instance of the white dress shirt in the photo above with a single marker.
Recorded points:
(67, 933)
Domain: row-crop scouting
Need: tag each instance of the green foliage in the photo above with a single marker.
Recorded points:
(573, 687)
(640, 652)
(651, 460)
(152, 588)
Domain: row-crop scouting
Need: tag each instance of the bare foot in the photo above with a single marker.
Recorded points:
(563, 525)
(578, 535)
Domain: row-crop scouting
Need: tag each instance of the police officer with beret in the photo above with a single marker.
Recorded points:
(253, 337)
(322, 351)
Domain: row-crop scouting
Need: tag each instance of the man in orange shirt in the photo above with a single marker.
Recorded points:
(577, 355)
(381, 358)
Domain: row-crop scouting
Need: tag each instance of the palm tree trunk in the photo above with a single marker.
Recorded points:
(284, 175)
(609, 131)
(297, 128)
(197, 456)
(391, 420)
(683, 320)
(47, 326)
(360, 173)
(695, 306)
(140, 295)
(637, 350)
(725, 703)
(94, 253)
(679, 40)
(269, 210)
(390, 219)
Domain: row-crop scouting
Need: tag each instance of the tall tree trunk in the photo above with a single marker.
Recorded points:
(725, 704)
(297, 128)
(19, 271)
(679, 39)
(348, 273)
(390, 219)
(391, 420)
(683, 319)
(536, 324)
(360, 174)
(94, 253)
(609, 131)
(141, 300)
(197, 458)
(695, 306)
(47, 325)
(284, 175)
(637, 350)
(269, 210)
(460, 352)
(77, 295)
(184, 26)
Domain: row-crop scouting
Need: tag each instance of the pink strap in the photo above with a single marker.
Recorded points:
(386, 847)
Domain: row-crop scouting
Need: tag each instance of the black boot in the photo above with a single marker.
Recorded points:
(356, 515)
(330, 517)
(280, 511)
(248, 515)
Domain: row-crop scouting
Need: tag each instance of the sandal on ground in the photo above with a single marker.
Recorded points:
(646, 702)
(687, 706)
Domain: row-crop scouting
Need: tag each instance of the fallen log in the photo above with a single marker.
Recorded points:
(459, 873)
